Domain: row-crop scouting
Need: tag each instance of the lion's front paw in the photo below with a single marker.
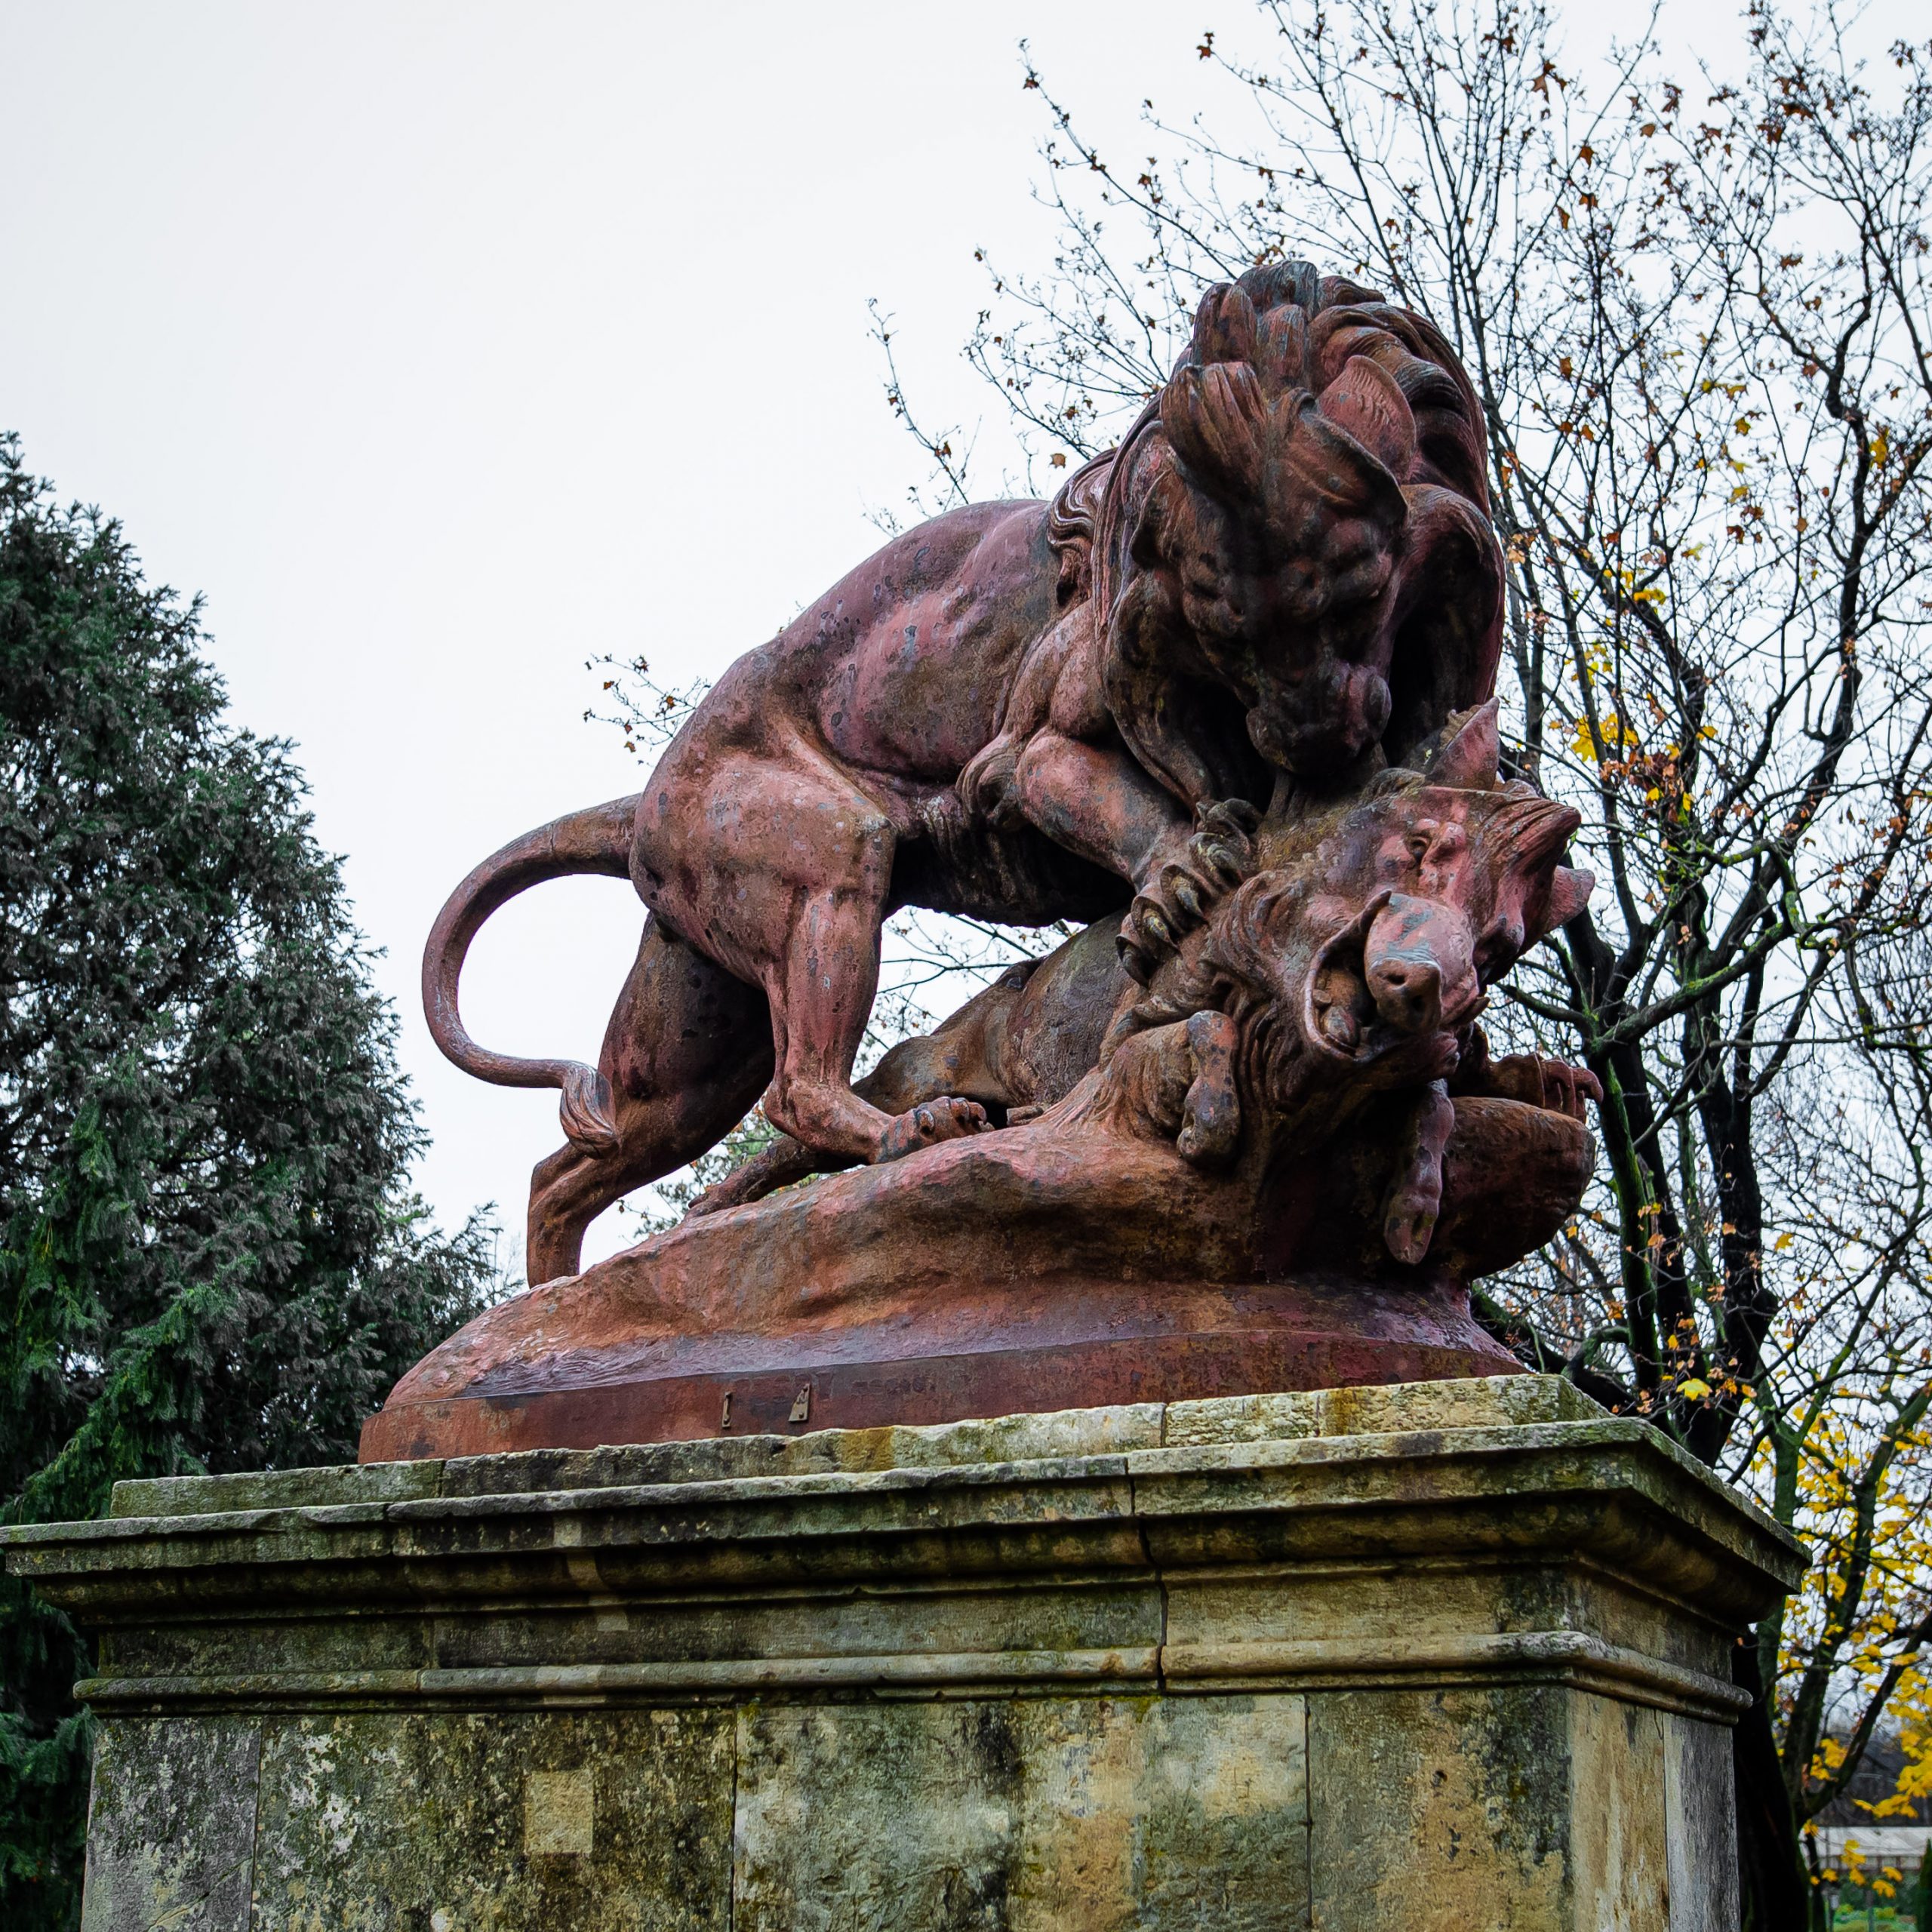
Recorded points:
(926, 1125)
(1150, 934)
(1216, 858)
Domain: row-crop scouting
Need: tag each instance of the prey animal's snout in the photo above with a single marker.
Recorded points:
(1420, 964)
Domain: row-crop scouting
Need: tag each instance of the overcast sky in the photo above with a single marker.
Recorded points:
(442, 347)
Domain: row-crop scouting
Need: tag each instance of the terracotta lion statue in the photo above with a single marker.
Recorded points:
(1283, 579)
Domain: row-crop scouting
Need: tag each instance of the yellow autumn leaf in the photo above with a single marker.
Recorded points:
(1695, 1389)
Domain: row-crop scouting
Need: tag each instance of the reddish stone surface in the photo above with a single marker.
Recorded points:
(1039, 1267)
(1227, 698)
(1251, 1345)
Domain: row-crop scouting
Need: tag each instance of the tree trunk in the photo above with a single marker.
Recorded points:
(1773, 1888)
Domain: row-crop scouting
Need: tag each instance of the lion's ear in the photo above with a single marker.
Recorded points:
(1467, 761)
(1224, 326)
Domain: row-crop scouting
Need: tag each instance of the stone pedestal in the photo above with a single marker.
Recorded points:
(1449, 1655)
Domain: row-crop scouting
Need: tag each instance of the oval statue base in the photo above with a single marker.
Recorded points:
(1003, 1353)
(1014, 1272)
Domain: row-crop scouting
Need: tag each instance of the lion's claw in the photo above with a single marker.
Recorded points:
(1220, 859)
(1218, 856)
(1146, 937)
(1181, 893)
(948, 1118)
(1234, 818)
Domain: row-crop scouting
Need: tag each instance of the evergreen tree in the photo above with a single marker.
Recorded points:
(209, 1258)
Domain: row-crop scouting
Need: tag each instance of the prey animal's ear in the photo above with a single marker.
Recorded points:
(1569, 893)
(1467, 760)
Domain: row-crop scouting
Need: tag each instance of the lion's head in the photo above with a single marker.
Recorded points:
(1292, 555)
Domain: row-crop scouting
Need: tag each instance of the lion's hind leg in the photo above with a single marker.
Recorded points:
(958, 1058)
(687, 1050)
(827, 897)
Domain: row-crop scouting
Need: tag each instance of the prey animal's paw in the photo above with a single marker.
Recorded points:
(1209, 1134)
(1408, 1222)
(1538, 1082)
(930, 1122)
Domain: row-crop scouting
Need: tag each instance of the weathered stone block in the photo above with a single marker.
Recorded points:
(1026, 1813)
(519, 1822)
(1451, 1657)
(1699, 1850)
(171, 1827)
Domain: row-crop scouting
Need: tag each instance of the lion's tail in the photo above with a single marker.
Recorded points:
(597, 840)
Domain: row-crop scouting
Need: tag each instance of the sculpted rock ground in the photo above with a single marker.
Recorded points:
(1138, 1278)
